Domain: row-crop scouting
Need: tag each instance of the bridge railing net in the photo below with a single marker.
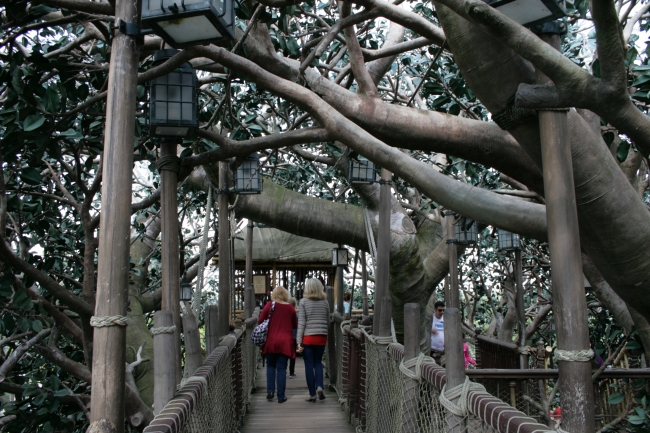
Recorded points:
(216, 398)
(379, 397)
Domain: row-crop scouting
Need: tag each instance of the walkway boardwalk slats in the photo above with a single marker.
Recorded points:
(296, 414)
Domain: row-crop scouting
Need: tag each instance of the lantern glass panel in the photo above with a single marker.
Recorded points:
(362, 170)
(247, 176)
(508, 241)
(186, 290)
(466, 231)
(339, 257)
(530, 12)
(190, 22)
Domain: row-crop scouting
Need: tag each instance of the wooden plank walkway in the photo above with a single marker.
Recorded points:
(296, 414)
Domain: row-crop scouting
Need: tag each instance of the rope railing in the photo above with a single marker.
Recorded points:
(216, 398)
(372, 393)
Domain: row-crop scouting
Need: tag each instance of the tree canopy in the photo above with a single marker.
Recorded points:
(421, 88)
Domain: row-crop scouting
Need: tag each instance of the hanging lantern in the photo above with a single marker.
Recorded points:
(530, 12)
(340, 257)
(182, 23)
(362, 170)
(173, 108)
(551, 326)
(247, 176)
(466, 231)
(508, 241)
(186, 290)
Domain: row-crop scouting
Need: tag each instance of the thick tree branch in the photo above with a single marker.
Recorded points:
(58, 316)
(91, 7)
(366, 84)
(388, 51)
(610, 45)
(18, 353)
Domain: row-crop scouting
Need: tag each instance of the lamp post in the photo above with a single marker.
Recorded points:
(511, 242)
(570, 306)
(182, 23)
(364, 171)
(340, 260)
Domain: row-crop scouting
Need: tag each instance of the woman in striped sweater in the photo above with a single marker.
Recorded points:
(313, 318)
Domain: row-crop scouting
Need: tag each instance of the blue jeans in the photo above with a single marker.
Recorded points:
(276, 365)
(313, 356)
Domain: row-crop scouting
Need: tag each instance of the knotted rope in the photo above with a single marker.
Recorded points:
(417, 362)
(574, 355)
(196, 299)
(526, 350)
(103, 321)
(376, 339)
(163, 330)
(345, 330)
(169, 163)
(461, 392)
(199, 379)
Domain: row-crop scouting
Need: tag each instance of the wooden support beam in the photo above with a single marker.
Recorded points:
(364, 283)
(224, 252)
(384, 360)
(249, 299)
(170, 252)
(383, 247)
(164, 385)
(211, 328)
(332, 362)
(569, 303)
(193, 351)
(109, 354)
(410, 386)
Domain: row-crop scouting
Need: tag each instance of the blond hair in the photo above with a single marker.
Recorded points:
(293, 302)
(314, 289)
(280, 294)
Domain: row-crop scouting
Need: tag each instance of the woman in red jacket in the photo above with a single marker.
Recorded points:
(279, 342)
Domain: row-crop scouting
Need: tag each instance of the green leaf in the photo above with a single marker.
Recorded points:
(37, 325)
(55, 382)
(30, 176)
(39, 399)
(616, 398)
(61, 393)
(51, 100)
(21, 299)
(622, 151)
(631, 345)
(33, 121)
(293, 47)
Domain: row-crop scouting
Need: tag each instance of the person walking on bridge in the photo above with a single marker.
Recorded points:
(313, 318)
(279, 346)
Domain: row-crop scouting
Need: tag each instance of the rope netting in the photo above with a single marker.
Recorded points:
(216, 398)
(380, 397)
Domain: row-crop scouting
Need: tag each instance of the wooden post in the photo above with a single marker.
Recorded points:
(332, 362)
(248, 294)
(411, 350)
(383, 247)
(193, 353)
(109, 348)
(339, 288)
(353, 375)
(454, 357)
(354, 278)
(170, 265)
(211, 328)
(364, 283)
(224, 252)
(569, 303)
(164, 385)
(521, 307)
(384, 369)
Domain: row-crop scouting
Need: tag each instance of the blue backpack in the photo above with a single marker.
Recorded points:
(261, 331)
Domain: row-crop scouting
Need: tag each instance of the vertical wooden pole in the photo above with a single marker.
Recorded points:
(164, 385)
(521, 307)
(193, 353)
(383, 247)
(569, 303)
(331, 339)
(354, 278)
(339, 288)
(454, 357)
(170, 265)
(384, 369)
(211, 328)
(109, 348)
(248, 294)
(411, 350)
(364, 283)
(224, 251)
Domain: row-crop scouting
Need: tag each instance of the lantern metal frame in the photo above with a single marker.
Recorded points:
(174, 95)
(248, 179)
(185, 289)
(523, 11)
(340, 257)
(466, 231)
(508, 241)
(362, 171)
(183, 23)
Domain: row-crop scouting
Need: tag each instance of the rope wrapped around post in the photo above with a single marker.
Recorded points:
(461, 392)
(418, 362)
(103, 321)
(170, 163)
(163, 330)
(574, 355)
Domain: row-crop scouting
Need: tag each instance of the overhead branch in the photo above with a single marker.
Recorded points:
(91, 7)
(629, 25)
(609, 44)
(327, 160)
(365, 82)
(58, 316)
(413, 44)
(21, 350)
(231, 148)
